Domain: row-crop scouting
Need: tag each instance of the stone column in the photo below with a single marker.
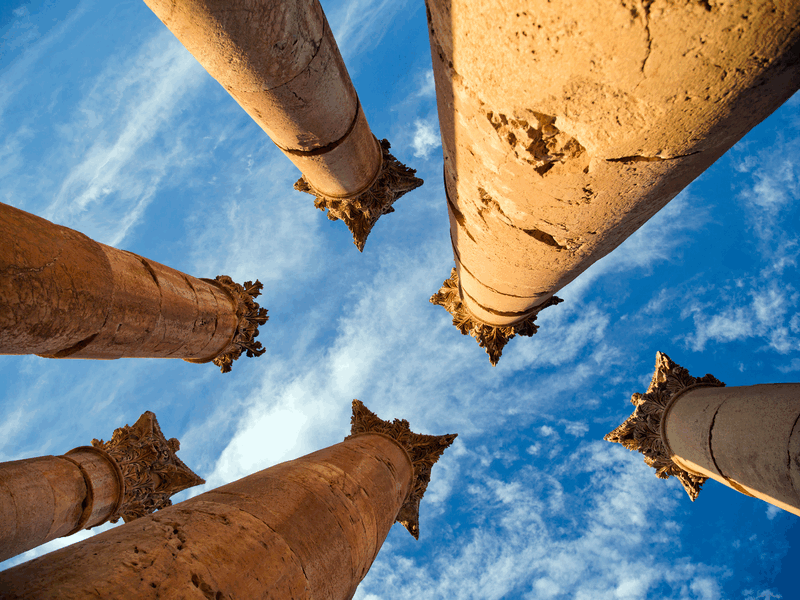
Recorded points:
(568, 124)
(63, 295)
(279, 61)
(308, 528)
(127, 477)
(747, 438)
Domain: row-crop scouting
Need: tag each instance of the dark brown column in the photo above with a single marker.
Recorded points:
(308, 528)
(567, 124)
(127, 477)
(747, 438)
(63, 295)
(279, 61)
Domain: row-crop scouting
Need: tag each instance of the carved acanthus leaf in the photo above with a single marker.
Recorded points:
(151, 471)
(249, 315)
(361, 212)
(642, 430)
(424, 451)
(492, 338)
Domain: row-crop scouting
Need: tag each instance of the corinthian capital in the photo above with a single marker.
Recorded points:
(424, 451)
(249, 314)
(362, 211)
(642, 430)
(489, 337)
(149, 469)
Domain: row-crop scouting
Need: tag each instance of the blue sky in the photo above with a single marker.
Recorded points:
(110, 127)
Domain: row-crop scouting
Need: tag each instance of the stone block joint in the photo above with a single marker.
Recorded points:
(361, 211)
(642, 431)
(423, 450)
(489, 337)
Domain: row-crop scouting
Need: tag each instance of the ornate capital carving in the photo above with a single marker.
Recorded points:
(493, 339)
(151, 472)
(424, 451)
(361, 212)
(642, 430)
(250, 315)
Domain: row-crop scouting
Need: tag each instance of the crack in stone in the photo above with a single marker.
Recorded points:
(646, 8)
(14, 271)
(638, 158)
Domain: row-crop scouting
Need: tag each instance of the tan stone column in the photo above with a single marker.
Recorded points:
(308, 528)
(127, 477)
(63, 295)
(567, 124)
(279, 61)
(747, 438)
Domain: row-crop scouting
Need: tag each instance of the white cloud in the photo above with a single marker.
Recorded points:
(427, 85)
(360, 25)
(773, 188)
(762, 311)
(615, 548)
(426, 138)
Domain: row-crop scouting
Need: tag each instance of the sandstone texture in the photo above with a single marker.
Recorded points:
(567, 124)
(280, 62)
(747, 438)
(63, 295)
(127, 477)
(308, 528)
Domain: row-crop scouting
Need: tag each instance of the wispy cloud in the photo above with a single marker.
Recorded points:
(520, 547)
(773, 187)
(360, 25)
(123, 133)
(750, 310)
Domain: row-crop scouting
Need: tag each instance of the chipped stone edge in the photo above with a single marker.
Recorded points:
(249, 316)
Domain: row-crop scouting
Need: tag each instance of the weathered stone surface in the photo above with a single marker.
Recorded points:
(306, 529)
(747, 438)
(280, 62)
(63, 295)
(149, 469)
(362, 211)
(567, 125)
(132, 475)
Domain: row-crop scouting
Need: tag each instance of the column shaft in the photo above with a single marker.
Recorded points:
(63, 295)
(280, 62)
(566, 127)
(48, 497)
(129, 476)
(40, 500)
(747, 438)
(308, 528)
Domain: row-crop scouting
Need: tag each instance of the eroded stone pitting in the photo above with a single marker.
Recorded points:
(535, 139)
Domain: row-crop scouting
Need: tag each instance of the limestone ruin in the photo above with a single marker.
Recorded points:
(559, 141)
(695, 428)
(307, 528)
